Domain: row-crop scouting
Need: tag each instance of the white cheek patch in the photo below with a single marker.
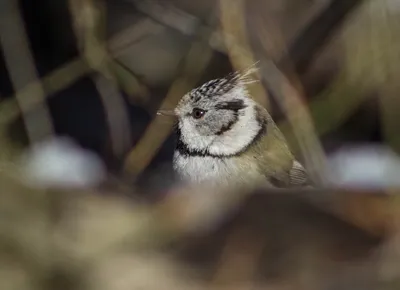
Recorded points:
(240, 135)
(192, 137)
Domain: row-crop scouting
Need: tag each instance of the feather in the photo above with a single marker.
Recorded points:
(298, 175)
(275, 159)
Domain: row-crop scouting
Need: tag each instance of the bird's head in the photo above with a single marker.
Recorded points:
(219, 116)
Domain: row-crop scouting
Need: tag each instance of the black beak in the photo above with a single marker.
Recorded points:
(169, 113)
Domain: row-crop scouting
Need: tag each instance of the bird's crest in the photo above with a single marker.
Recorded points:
(221, 86)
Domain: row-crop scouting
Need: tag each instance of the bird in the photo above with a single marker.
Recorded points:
(224, 137)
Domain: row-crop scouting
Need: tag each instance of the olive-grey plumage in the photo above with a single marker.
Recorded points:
(274, 158)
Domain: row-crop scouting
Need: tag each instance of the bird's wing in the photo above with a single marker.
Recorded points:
(277, 161)
(298, 175)
(288, 177)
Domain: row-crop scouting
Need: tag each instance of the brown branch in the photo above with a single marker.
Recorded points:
(21, 66)
(159, 129)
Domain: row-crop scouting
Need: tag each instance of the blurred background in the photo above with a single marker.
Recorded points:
(82, 151)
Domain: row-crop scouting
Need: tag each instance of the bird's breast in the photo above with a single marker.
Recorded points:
(214, 170)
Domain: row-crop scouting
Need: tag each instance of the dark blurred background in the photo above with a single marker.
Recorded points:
(98, 70)
(149, 42)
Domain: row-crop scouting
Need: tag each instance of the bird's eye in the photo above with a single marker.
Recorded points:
(198, 113)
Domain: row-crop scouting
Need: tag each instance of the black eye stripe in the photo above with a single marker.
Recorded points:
(228, 126)
(234, 105)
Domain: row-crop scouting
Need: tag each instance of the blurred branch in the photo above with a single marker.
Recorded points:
(239, 259)
(21, 67)
(283, 91)
(335, 104)
(56, 81)
(303, 49)
(95, 241)
(375, 213)
(384, 39)
(235, 38)
(166, 14)
(117, 116)
(89, 18)
(89, 23)
(356, 80)
(290, 100)
(159, 129)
